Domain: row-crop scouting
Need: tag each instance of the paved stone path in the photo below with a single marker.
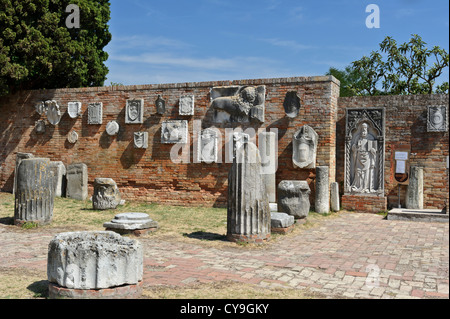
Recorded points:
(353, 255)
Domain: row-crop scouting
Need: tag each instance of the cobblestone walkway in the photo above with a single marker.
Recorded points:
(353, 255)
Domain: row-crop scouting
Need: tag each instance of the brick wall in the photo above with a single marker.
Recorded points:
(149, 174)
(406, 127)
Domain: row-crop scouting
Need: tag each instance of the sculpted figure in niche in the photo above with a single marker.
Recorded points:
(243, 104)
(305, 147)
(363, 156)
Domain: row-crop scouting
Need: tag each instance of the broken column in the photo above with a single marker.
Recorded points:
(34, 194)
(77, 181)
(322, 203)
(335, 207)
(248, 214)
(19, 157)
(268, 151)
(94, 264)
(414, 193)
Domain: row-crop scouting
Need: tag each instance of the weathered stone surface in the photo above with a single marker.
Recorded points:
(53, 112)
(414, 193)
(131, 221)
(304, 145)
(160, 105)
(74, 109)
(334, 194)
(34, 194)
(95, 113)
(208, 146)
(248, 213)
(112, 128)
(437, 118)
(140, 139)
(134, 113)
(94, 260)
(364, 151)
(106, 194)
(77, 181)
(174, 131)
(59, 177)
(281, 220)
(268, 150)
(293, 198)
(186, 105)
(72, 137)
(291, 104)
(19, 157)
(322, 203)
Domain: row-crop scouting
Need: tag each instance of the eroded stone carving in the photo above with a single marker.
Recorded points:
(95, 113)
(160, 105)
(304, 144)
(53, 112)
(112, 128)
(174, 131)
(74, 109)
(140, 139)
(293, 198)
(41, 107)
(72, 137)
(207, 146)
(106, 194)
(238, 103)
(40, 126)
(437, 118)
(364, 151)
(134, 113)
(291, 104)
(186, 105)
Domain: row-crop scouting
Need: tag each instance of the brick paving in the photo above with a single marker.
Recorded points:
(350, 256)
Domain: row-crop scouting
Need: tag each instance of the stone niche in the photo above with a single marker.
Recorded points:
(304, 144)
(238, 104)
(95, 113)
(364, 151)
(437, 118)
(208, 146)
(291, 104)
(186, 105)
(174, 131)
(134, 113)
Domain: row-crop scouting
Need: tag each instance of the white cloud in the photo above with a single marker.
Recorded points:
(290, 44)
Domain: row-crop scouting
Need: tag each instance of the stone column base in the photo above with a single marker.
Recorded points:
(122, 292)
(256, 239)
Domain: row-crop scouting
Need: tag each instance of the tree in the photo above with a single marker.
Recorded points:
(396, 69)
(38, 50)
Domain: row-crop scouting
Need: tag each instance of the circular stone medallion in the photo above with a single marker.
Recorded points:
(112, 128)
(72, 137)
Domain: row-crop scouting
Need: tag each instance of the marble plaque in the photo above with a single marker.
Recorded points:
(140, 139)
(95, 113)
(174, 131)
(187, 105)
(437, 118)
(207, 146)
(74, 109)
(134, 113)
(72, 137)
(112, 128)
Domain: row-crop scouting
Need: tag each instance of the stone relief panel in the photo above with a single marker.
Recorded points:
(364, 151)
(186, 105)
(112, 128)
(40, 107)
(53, 112)
(304, 145)
(74, 109)
(140, 139)
(239, 104)
(134, 111)
(207, 146)
(174, 131)
(72, 137)
(437, 118)
(95, 113)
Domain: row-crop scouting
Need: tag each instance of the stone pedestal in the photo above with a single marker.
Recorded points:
(322, 203)
(132, 223)
(34, 194)
(106, 194)
(248, 214)
(93, 260)
(293, 198)
(77, 181)
(414, 193)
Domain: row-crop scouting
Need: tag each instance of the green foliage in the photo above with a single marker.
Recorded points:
(395, 69)
(37, 50)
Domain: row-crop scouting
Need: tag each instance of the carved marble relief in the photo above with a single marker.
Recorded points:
(364, 151)
(41, 107)
(112, 128)
(239, 104)
(95, 113)
(437, 119)
(53, 112)
(304, 145)
(134, 111)
(74, 109)
(291, 104)
(186, 105)
(72, 137)
(207, 146)
(174, 131)
(140, 139)
(160, 105)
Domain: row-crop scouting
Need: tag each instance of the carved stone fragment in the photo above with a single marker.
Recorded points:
(186, 105)
(304, 145)
(437, 118)
(160, 105)
(293, 198)
(174, 131)
(112, 128)
(140, 139)
(291, 104)
(53, 112)
(74, 109)
(77, 181)
(134, 113)
(106, 194)
(207, 146)
(95, 113)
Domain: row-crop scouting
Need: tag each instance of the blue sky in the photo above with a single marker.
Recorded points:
(175, 41)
